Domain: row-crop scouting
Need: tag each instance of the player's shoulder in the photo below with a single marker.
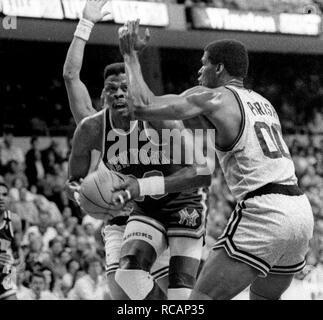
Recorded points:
(202, 89)
(91, 123)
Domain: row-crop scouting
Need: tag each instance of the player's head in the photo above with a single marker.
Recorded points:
(223, 59)
(115, 88)
(4, 197)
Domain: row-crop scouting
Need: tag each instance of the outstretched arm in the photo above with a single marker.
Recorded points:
(147, 106)
(79, 98)
(195, 171)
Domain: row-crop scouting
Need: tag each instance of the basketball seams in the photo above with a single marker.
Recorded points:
(91, 201)
(96, 183)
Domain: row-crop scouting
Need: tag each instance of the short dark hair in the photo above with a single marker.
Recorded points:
(232, 53)
(91, 259)
(114, 69)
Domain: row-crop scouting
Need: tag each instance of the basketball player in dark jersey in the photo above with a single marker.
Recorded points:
(10, 254)
(187, 208)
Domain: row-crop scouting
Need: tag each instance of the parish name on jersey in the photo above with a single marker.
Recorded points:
(262, 109)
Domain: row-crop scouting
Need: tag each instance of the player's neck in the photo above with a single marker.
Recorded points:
(233, 82)
(122, 123)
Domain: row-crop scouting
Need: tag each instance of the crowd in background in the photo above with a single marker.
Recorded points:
(63, 251)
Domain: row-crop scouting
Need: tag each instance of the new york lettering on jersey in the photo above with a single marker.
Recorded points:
(260, 154)
(134, 153)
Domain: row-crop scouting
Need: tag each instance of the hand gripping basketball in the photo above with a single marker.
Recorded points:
(127, 191)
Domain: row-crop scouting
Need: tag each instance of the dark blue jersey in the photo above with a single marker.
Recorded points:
(138, 154)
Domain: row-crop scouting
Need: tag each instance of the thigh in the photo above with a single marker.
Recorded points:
(223, 277)
(144, 240)
(271, 287)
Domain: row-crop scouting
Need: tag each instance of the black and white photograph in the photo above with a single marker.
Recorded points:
(161, 150)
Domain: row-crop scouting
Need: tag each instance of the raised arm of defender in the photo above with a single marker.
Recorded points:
(79, 98)
(147, 106)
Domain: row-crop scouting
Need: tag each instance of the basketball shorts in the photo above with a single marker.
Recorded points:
(176, 218)
(113, 237)
(270, 232)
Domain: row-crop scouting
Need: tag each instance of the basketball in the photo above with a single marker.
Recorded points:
(96, 193)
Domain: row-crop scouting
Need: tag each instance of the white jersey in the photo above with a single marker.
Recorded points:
(259, 155)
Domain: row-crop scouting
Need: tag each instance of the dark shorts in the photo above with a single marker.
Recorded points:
(180, 217)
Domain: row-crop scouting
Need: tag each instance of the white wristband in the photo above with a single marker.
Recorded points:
(84, 29)
(152, 186)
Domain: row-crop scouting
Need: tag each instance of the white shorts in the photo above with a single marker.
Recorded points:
(270, 232)
(113, 237)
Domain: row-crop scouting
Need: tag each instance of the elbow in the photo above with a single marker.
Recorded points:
(70, 75)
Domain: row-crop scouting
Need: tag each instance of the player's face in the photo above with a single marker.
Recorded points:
(3, 198)
(115, 94)
(207, 74)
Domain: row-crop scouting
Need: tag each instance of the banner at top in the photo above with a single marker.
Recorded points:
(149, 13)
(33, 8)
(225, 19)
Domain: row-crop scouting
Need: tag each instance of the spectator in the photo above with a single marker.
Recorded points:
(34, 167)
(7, 150)
(93, 285)
(38, 289)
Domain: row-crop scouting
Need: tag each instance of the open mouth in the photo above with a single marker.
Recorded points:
(120, 105)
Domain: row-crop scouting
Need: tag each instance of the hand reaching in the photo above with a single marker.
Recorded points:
(73, 189)
(93, 10)
(129, 38)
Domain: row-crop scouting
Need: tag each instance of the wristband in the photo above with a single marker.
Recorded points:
(151, 186)
(84, 29)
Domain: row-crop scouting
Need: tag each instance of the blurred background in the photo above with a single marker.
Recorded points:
(284, 38)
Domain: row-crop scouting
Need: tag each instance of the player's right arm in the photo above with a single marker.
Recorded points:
(78, 95)
(146, 105)
(87, 136)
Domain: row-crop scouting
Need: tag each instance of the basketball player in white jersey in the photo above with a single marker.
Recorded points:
(267, 236)
(10, 253)
(80, 103)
